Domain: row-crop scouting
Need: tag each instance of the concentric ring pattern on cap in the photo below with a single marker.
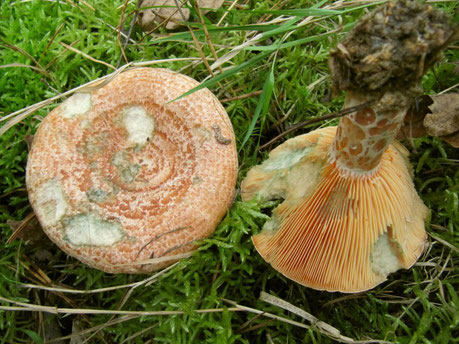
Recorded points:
(120, 176)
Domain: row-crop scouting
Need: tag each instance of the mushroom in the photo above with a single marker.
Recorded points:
(125, 178)
(350, 213)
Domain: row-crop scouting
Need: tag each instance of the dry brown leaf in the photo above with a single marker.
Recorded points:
(31, 233)
(148, 19)
(205, 5)
(29, 230)
(433, 115)
(452, 139)
(152, 17)
(413, 123)
(444, 117)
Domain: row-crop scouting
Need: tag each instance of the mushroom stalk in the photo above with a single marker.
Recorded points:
(362, 137)
(350, 214)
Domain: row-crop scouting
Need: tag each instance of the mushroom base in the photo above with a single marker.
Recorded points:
(336, 231)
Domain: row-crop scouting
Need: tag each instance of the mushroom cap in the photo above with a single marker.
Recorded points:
(336, 231)
(120, 178)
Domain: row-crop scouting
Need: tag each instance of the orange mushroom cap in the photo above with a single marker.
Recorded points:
(121, 176)
(334, 231)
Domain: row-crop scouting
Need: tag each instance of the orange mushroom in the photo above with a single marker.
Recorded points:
(350, 214)
(121, 178)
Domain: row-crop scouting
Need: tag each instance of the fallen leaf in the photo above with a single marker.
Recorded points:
(452, 139)
(433, 115)
(167, 11)
(31, 233)
(444, 117)
(149, 18)
(29, 230)
(413, 123)
(207, 5)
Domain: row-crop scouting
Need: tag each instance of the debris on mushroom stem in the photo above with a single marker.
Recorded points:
(350, 214)
(390, 48)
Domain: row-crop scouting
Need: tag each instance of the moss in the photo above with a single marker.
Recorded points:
(226, 265)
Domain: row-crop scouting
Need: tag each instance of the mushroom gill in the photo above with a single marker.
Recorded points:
(334, 232)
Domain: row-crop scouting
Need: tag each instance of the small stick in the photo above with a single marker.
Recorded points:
(318, 119)
(21, 227)
(52, 39)
(86, 55)
(206, 33)
(195, 40)
(148, 281)
(128, 36)
(120, 26)
(226, 13)
(22, 306)
(244, 96)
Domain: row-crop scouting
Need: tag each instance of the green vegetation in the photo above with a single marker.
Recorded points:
(280, 51)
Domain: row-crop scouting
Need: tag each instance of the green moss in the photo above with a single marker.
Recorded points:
(420, 303)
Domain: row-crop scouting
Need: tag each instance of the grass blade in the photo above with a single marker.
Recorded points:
(262, 106)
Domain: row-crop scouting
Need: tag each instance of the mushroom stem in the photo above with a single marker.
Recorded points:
(362, 137)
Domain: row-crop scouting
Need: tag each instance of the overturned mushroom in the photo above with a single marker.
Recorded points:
(121, 178)
(350, 214)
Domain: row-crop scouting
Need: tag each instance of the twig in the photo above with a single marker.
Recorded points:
(315, 120)
(268, 315)
(146, 282)
(21, 51)
(55, 58)
(226, 13)
(195, 40)
(119, 320)
(120, 27)
(128, 36)
(86, 55)
(53, 37)
(37, 67)
(159, 259)
(21, 227)
(206, 33)
(29, 307)
(21, 65)
(296, 323)
(128, 339)
(449, 89)
(444, 242)
(244, 96)
(323, 327)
